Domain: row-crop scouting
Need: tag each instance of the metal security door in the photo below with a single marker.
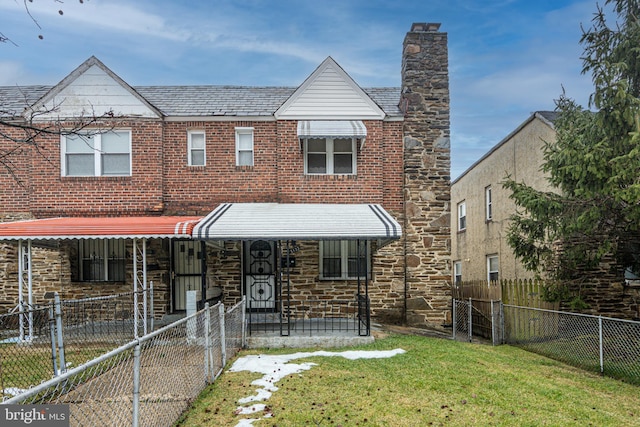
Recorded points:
(188, 271)
(260, 278)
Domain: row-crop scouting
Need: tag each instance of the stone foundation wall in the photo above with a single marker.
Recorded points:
(52, 272)
(386, 288)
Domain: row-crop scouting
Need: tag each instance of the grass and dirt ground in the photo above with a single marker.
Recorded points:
(437, 382)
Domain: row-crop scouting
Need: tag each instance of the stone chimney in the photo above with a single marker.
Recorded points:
(427, 163)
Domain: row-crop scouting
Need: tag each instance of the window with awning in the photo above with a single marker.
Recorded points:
(332, 129)
(330, 146)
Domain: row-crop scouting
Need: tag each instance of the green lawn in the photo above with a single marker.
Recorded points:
(24, 366)
(436, 382)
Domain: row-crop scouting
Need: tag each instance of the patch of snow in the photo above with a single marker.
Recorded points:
(13, 391)
(276, 367)
(243, 410)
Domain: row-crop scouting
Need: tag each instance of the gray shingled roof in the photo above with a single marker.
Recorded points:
(194, 101)
(548, 115)
(14, 99)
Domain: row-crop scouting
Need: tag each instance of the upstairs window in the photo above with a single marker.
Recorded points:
(344, 259)
(330, 156)
(106, 154)
(492, 268)
(196, 148)
(244, 146)
(488, 204)
(102, 260)
(462, 216)
(457, 272)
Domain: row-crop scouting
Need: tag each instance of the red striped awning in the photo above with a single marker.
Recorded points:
(99, 227)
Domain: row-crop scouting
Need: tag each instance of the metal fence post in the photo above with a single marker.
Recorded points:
(58, 309)
(453, 314)
(207, 343)
(52, 331)
(223, 339)
(244, 320)
(470, 325)
(601, 345)
(136, 386)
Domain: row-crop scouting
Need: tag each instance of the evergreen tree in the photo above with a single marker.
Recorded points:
(594, 164)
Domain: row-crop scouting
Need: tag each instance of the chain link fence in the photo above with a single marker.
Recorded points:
(151, 380)
(595, 343)
(39, 342)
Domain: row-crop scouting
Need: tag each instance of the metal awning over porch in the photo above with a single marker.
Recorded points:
(99, 228)
(139, 229)
(298, 221)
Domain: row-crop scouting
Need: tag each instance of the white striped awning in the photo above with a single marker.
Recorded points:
(331, 128)
(298, 221)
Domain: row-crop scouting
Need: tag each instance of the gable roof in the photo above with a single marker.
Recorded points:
(329, 93)
(80, 99)
(546, 117)
(201, 101)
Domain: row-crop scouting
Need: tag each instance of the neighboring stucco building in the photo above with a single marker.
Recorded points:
(285, 195)
(481, 207)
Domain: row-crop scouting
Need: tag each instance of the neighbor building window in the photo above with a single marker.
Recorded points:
(102, 260)
(244, 146)
(196, 148)
(457, 272)
(487, 202)
(330, 156)
(462, 216)
(492, 268)
(105, 154)
(344, 259)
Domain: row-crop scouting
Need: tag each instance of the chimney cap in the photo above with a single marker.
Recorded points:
(420, 27)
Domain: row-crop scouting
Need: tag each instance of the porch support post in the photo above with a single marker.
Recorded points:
(25, 280)
(135, 288)
(366, 288)
(140, 282)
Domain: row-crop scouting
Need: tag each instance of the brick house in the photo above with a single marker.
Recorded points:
(286, 195)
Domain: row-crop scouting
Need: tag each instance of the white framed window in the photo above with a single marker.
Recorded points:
(487, 203)
(196, 148)
(344, 259)
(462, 216)
(244, 146)
(457, 272)
(101, 260)
(105, 154)
(492, 268)
(330, 156)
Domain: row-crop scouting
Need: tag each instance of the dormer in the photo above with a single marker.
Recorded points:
(329, 93)
(92, 90)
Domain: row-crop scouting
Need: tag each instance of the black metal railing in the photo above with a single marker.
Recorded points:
(310, 317)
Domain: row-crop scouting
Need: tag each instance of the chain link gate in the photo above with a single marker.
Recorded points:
(480, 319)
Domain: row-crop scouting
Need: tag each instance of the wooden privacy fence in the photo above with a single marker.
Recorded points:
(519, 292)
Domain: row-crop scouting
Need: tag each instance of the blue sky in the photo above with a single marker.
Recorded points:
(507, 58)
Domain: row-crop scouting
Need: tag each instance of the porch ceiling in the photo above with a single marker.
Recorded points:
(298, 221)
(99, 227)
